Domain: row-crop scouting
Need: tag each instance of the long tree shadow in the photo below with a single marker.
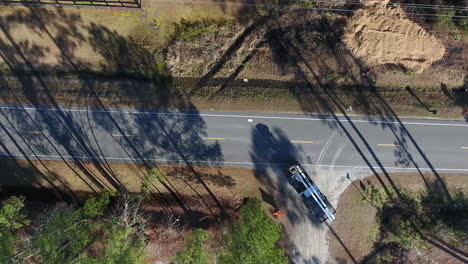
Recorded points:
(272, 154)
(95, 3)
(83, 135)
(285, 42)
(375, 105)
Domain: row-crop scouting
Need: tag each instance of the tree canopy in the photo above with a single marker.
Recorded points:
(254, 238)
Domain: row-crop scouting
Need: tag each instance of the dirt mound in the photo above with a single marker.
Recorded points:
(383, 35)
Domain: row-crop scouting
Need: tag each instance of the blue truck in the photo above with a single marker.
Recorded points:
(310, 194)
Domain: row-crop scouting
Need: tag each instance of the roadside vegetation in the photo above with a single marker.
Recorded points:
(454, 21)
(189, 30)
(251, 239)
(406, 222)
(194, 251)
(409, 220)
(97, 232)
(112, 229)
(203, 53)
(178, 220)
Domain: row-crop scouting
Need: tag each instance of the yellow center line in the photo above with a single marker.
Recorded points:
(387, 145)
(210, 138)
(124, 135)
(33, 132)
(302, 141)
(464, 147)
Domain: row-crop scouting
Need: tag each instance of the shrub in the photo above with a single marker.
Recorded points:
(11, 219)
(449, 19)
(254, 238)
(194, 251)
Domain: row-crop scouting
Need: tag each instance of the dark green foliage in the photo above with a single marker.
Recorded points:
(254, 238)
(388, 253)
(70, 235)
(90, 234)
(94, 207)
(449, 19)
(194, 251)
(119, 244)
(10, 214)
(11, 219)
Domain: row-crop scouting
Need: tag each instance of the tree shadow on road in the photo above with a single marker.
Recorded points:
(82, 138)
(321, 96)
(379, 113)
(272, 154)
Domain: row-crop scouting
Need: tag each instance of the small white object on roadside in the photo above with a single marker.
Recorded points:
(250, 120)
(350, 108)
(246, 80)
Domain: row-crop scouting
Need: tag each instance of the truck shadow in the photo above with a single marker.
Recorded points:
(272, 154)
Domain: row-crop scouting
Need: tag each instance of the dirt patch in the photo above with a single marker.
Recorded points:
(357, 227)
(383, 35)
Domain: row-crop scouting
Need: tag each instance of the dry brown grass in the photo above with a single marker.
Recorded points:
(80, 177)
(155, 19)
(272, 75)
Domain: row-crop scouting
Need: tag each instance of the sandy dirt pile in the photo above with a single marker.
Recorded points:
(383, 35)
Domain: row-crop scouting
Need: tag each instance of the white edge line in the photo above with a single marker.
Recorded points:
(236, 116)
(223, 162)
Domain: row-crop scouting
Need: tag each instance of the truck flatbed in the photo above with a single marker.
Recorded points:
(311, 194)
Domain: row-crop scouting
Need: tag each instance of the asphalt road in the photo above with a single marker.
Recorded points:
(330, 147)
(237, 139)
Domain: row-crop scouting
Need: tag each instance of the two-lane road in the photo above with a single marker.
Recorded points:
(331, 147)
(232, 138)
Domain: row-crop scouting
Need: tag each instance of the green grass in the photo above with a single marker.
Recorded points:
(332, 77)
(188, 30)
(372, 238)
